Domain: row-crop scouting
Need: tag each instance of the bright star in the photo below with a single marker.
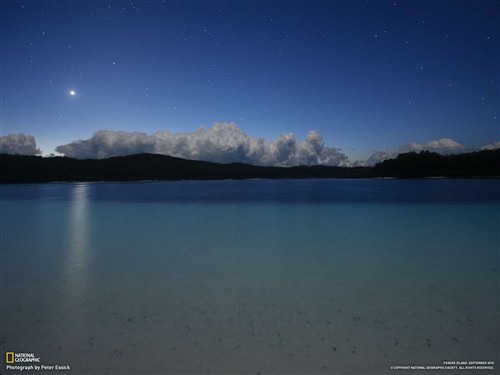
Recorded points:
(72, 92)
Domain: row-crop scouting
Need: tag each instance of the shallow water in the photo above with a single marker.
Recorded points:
(259, 276)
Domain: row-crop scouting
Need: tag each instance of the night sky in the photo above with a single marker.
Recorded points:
(365, 76)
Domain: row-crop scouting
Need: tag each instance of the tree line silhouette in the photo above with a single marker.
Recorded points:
(430, 164)
(31, 169)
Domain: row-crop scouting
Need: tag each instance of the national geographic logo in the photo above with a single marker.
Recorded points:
(11, 357)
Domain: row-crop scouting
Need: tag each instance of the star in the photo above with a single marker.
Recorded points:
(72, 92)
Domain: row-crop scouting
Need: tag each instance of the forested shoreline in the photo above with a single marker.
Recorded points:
(32, 169)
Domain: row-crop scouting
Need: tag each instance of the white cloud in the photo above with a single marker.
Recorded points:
(21, 144)
(492, 146)
(444, 146)
(380, 156)
(104, 144)
(222, 143)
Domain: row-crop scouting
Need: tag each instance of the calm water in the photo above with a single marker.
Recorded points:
(306, 276)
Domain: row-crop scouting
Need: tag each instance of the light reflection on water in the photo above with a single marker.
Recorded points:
(77, 256)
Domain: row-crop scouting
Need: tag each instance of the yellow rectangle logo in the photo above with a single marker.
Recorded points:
(9, 357)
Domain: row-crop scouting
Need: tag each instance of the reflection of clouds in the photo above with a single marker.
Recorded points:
(77, 256)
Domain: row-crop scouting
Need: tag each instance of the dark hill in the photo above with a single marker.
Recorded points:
(27, 169)
(429, 164)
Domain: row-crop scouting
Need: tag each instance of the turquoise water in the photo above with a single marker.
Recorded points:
(308, 276)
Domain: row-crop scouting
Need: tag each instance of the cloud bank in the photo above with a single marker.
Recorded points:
(445, 146)
(21, 144)
(221, 143)
(492, 146)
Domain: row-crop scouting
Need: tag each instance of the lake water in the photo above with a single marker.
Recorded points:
(256, 276)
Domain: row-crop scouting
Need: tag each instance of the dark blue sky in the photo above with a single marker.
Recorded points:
(365, 75)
